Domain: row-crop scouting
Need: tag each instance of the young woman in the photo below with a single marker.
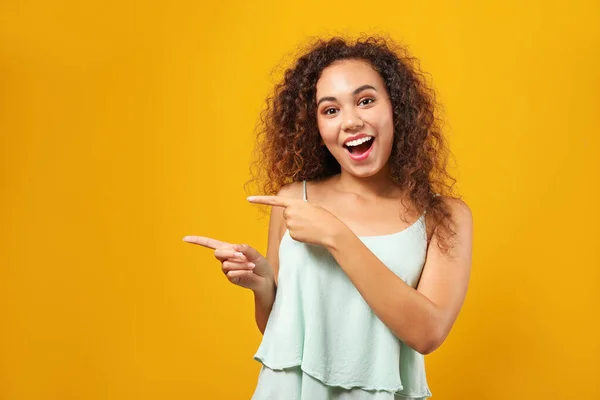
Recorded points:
(369, 252)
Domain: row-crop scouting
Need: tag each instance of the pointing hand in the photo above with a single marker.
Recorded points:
(242, 264)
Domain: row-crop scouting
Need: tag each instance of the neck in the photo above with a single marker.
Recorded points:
(378, 185)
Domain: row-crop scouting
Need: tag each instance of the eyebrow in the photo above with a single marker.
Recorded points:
(357, 91)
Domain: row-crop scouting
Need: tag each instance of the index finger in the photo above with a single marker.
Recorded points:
(206, 242)
(277, 201)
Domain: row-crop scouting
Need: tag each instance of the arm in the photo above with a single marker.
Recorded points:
(421, 318)
(263, 299)
(263, 303)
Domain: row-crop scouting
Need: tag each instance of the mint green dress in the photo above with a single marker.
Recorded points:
(322, 341)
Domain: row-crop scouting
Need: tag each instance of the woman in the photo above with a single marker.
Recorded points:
(369, 252)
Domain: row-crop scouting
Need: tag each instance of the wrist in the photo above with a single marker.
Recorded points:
(265, 293)
(336, 236)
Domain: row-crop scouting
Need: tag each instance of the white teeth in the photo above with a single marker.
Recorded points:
(359, 141)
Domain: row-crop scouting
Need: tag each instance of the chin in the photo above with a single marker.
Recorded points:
(365, 171)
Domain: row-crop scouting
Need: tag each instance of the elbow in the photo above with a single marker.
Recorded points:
(429, 341)
(427, 346)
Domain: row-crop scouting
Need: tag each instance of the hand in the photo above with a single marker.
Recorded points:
(243, 265)
(306, 222)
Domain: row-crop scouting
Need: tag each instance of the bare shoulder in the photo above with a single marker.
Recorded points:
(461, 212)
(461, 224)
(294, 190)
(460, 215)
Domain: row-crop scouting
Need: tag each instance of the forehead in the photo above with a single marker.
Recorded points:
(342, 77)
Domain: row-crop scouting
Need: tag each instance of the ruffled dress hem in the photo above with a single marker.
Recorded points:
(347, 385)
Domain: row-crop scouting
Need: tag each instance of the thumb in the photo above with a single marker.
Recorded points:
(263, 268)
(251, 254)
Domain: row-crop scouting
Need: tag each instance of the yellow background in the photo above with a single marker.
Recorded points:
(126, 125)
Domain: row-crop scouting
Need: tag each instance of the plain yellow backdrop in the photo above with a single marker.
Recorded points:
(126, 125)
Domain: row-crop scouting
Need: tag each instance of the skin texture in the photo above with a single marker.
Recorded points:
(363, 199)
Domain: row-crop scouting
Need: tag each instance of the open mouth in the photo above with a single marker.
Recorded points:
(360, 151)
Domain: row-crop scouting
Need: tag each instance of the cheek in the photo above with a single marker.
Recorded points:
(328, 131)
(385, 122)
(386, 114)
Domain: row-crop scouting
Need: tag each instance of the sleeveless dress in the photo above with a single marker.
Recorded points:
(322, 340)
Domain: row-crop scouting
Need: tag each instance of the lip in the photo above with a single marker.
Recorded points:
(359, 136)
(362, 156)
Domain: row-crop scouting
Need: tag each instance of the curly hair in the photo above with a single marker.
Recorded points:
(288, 140)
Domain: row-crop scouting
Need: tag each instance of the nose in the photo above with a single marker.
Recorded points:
(352, 121)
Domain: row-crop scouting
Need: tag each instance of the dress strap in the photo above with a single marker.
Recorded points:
(304, 185)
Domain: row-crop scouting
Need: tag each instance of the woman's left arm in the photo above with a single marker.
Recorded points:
(422, 317)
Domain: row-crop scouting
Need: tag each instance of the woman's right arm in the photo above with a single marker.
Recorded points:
(263, 299)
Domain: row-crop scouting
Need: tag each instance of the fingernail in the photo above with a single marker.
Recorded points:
(238, 254)
(251, 265)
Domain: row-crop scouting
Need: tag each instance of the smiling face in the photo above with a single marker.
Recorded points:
(354, 116)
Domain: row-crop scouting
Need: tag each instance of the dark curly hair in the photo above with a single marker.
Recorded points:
(289, 147)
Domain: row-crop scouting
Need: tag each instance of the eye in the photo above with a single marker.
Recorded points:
(327, 111)
(366, 99)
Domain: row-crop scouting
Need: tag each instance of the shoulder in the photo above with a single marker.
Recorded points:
(459, 210)
(451, 238)
(460, 219)
(294, 190)
(460, 224)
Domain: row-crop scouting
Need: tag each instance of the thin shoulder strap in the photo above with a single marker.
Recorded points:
(304, 185)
